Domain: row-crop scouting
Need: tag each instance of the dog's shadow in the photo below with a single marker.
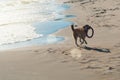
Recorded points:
(104, 50)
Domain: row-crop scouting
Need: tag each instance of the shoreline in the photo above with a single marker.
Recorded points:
(99, 60)
(33, 33)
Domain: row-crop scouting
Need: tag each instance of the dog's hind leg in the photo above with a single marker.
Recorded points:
(76, 42)
(75, 37)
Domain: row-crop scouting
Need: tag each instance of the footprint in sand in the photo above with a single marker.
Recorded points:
(75, 53)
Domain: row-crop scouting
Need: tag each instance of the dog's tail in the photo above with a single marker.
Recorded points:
(72, 27)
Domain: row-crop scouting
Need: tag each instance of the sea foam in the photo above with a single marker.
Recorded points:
(17, 33)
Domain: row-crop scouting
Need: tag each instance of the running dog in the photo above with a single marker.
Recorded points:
(81, 33)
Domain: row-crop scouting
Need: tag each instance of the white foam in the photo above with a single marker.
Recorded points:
(24, 13)
(15, 11)
(16, 17)
(17, 33)
(51, 39)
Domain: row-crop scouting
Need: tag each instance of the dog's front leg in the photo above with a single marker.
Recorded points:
(85, 41)
(83, 38)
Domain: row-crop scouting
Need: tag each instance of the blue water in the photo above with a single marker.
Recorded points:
(50, 27)
(47, 28)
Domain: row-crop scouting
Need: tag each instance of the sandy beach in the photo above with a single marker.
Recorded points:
(98, 60)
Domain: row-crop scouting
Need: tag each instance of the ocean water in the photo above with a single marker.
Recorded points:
(31, 22)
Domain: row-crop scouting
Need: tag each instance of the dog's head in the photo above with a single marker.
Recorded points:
(86, 27)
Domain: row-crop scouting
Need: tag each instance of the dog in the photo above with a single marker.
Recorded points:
(81, 33)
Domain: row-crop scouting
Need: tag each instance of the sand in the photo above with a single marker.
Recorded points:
(99, 60)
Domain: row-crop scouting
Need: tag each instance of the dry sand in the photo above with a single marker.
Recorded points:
(99, 60)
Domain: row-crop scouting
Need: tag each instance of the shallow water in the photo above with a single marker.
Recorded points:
(31, 22)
